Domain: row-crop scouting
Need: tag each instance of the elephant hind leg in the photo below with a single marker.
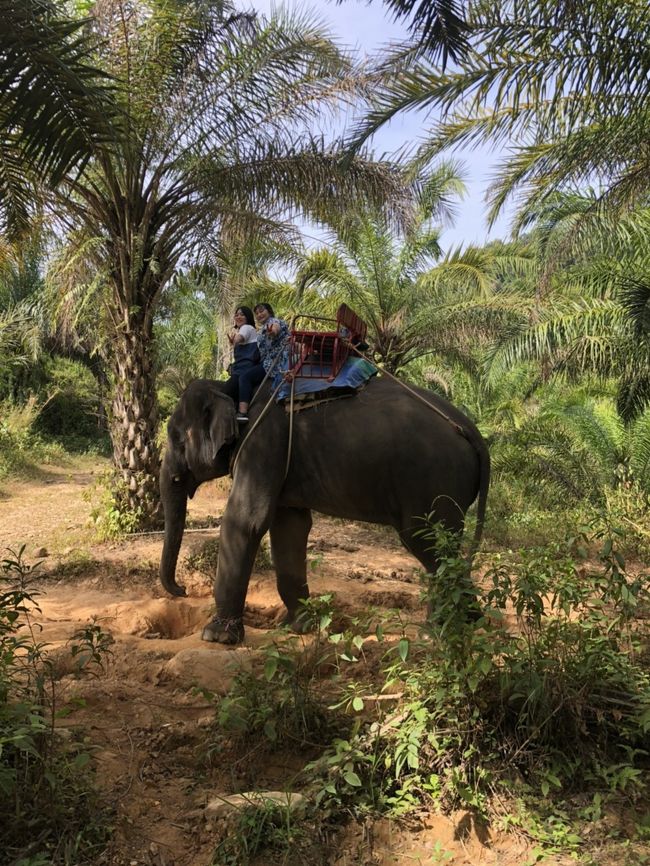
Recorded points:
(421, 548)
(289, 533)
(420, 539)
(424, 548)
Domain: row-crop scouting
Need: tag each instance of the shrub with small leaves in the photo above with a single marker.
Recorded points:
(46, 793)
(90, 647)
(111, 513)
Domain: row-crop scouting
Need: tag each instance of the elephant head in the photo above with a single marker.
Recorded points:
(201, 435)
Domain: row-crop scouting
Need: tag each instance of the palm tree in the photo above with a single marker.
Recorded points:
(187, 341)
(381, 274)
(567, 86)
(589, 313)
(34, 335)
(23, 325)
(55, 104)
(575, 447)
(216, 144)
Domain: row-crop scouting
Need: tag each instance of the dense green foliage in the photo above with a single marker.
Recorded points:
(49, 812)
(55, 103)
(536, 715)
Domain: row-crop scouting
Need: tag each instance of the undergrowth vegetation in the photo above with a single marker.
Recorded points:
(50, 813)
(110, 512)
(525, 700)
(21, 446)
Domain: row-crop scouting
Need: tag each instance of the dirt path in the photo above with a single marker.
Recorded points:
(147, 724)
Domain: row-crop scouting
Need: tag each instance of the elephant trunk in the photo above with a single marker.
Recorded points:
(174, 499)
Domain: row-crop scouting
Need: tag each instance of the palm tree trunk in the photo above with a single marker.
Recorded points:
(134, 418)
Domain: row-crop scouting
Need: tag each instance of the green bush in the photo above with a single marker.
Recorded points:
(72, 411)
(263, 827)
(49, 811)
(558, 699)
(517, 519)
(111, 513)
(280, 705)
(21, 447)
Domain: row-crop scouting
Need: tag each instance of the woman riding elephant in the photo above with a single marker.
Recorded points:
(246, 354)
(272, 339)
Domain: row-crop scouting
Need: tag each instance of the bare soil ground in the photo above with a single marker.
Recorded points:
(146, 723)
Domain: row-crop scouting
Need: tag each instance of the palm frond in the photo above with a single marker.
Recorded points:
(20, 334)
(16, 191)
(56, 104)
(438, 28)
(633, 395)
(638, 446)
(306, 179)
(635, 299)
(469, 270)
(588, 327)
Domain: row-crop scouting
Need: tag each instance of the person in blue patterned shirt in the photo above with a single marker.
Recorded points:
(272, 341)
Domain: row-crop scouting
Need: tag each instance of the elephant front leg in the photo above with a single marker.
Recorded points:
(289, 533)
(239, 540)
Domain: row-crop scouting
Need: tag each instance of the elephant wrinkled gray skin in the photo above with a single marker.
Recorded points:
(382, 456)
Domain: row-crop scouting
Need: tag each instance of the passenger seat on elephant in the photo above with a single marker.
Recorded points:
(323, 364)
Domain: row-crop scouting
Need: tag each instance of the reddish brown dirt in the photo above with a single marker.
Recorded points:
(144, 720)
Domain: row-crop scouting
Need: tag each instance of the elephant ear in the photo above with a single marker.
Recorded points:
(223, 426)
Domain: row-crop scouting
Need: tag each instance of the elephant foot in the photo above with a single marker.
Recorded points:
(223, 630)
(299, 623)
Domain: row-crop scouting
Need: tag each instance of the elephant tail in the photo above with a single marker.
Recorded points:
(484, 484)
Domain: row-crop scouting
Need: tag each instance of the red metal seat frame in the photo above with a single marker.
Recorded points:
(322, 354)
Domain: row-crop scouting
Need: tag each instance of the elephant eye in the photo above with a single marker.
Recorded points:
(177, 440)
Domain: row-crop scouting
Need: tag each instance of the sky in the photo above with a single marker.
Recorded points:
(367, 28)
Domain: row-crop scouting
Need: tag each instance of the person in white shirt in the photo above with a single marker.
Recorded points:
(246, 353)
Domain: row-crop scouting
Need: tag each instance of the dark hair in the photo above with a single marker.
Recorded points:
(246, 311)
(266, 307)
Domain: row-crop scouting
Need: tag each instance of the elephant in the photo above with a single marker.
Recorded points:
(387, 455)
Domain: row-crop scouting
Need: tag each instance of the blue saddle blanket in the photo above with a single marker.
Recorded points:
(353, 374)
